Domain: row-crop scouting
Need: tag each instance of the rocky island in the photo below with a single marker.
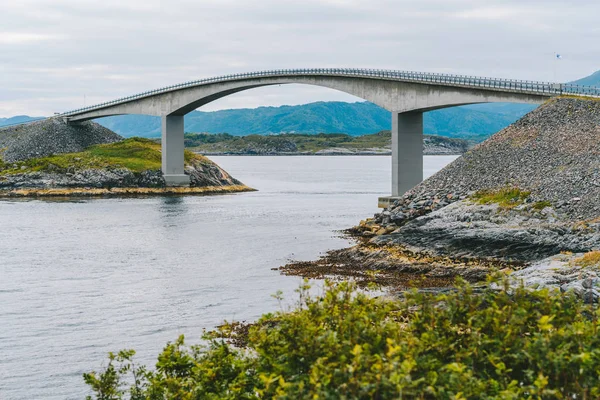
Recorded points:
(525, 201)
(51, 158)
(319, 144)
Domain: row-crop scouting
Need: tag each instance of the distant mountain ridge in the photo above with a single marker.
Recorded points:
(18, 119)
(474, 122)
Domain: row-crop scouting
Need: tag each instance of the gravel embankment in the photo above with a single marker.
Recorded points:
(51, 136)
(554, 152)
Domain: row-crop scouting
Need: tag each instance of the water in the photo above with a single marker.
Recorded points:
(81, 278)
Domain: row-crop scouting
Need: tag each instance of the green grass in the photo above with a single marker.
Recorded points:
(135, 154)
(505, 197)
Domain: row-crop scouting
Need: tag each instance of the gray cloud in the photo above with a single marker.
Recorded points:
(53, 52)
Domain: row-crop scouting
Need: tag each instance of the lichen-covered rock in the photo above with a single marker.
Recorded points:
(468, 229)
(201, 174)
(206, 173)
(560, 272)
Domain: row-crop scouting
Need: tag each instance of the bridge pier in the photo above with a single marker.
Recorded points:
(407, 154)
(173, 151)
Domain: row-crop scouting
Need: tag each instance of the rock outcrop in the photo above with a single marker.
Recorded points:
(202, 174)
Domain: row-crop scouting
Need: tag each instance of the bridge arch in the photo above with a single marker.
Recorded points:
(405, 94)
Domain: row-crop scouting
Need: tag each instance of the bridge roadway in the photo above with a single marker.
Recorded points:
(407, 95)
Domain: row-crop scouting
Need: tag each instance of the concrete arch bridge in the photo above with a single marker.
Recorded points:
(406, 94)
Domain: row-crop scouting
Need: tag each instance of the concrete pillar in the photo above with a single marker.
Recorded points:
(407, 151)
(172, 151)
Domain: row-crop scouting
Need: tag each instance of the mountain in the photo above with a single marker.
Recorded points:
(592, 80)
(18, 119)
(474, 122)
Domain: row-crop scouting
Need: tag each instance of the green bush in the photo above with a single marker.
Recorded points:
(496, 344)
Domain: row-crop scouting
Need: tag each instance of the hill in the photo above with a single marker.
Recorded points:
(592, 80)
(51, 136)
(17, 120)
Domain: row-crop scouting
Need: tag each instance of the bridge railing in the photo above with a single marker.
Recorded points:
(532, 87)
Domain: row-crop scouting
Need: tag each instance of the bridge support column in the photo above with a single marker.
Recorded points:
(172, 151)
(407, 154)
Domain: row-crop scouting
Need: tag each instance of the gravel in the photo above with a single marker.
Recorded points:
(51, 136)
(553, 152)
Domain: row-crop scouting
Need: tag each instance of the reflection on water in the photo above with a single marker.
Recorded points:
(81, 278)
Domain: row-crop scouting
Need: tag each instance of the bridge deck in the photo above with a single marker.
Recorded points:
(507, 85)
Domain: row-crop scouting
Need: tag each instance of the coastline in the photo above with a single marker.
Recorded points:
(122, 191)
(284, 154)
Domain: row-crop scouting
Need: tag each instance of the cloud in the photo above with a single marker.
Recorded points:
(105, 49)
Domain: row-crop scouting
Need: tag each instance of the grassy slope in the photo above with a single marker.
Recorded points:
(303, 142)
(135, 154)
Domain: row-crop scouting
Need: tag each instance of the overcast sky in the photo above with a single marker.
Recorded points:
(55, 52)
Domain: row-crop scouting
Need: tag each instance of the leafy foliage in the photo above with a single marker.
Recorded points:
(508, 344)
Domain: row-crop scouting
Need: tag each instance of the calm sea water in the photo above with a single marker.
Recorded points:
(81, 278)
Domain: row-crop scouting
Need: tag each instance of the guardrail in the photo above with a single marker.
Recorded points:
(530, 87)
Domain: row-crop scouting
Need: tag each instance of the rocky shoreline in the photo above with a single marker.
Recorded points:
(123, 191)
(525, 202)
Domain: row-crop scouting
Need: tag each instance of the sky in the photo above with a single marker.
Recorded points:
(57, 55)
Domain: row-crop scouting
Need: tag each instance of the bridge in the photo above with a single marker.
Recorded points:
(407, 95)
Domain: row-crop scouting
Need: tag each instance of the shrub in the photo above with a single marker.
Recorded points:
(508, 344)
